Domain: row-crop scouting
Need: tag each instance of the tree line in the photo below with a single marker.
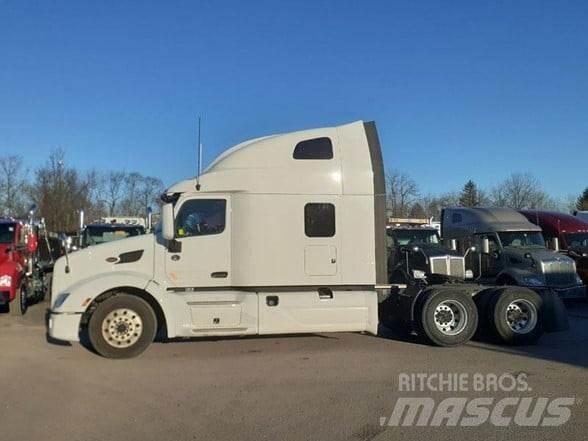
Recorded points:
(60, 192)
(518, 191)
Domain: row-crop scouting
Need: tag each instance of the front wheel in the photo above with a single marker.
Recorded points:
(515, 316)
(122, 326)
(447, 317)
(20, 304)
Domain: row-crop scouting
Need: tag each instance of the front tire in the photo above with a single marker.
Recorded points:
(122, 326)
(20, 304)
(447, 317)
(515, 316)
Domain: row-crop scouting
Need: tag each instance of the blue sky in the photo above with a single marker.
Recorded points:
(458, 89)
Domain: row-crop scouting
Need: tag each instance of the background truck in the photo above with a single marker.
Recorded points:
(582, 215)
(566, 234)
(419, 259)
(510, 250)
(280, 234)
(26, 263)
(419, 248)
(109, 229)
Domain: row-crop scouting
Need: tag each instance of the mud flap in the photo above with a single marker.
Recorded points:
(555, 315)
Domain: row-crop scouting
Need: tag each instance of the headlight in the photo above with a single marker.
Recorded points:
(533, 281)
(6, 281)
(579, 280)
(418, 274)
(60, 300)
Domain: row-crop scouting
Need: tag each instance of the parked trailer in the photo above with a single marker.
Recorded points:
(281, 234)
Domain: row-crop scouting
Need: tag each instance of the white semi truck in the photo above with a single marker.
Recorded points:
(281, 234)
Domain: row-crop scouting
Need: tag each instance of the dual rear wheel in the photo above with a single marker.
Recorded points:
(447, 317)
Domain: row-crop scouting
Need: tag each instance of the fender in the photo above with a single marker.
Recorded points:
(83, 292)
(516, 274)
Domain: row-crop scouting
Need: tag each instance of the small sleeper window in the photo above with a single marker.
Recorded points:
(319, 220)
(317, 148)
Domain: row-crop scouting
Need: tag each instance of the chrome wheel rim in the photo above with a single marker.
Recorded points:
(521, 316)
(450, 317)
(122, 328)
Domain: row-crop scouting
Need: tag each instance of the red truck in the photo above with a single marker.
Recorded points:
(565, 233)
(23, 277)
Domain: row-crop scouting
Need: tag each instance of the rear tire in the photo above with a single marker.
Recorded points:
(19, 306)
(447, 317)
(515, 316)
(122, 326)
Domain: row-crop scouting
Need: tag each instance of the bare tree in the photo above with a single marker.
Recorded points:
(12, 186)
(402, 192)
(521, 190)
(432, 205)
(60, 193)
(112, 190)
(149, 192)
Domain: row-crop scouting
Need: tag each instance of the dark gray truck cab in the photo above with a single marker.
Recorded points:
(419, 250)
(510, 250)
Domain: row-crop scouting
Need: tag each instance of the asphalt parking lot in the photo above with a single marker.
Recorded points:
(309, 387)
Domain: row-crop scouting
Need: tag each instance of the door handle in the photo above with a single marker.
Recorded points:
(219, 275)
(272, 300)
(325, 293)
(175, 257)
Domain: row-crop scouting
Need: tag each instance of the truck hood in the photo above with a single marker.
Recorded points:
(538, 254)
(436, 251)
(133, 254)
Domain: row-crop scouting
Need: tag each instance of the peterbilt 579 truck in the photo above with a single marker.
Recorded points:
(510, 250)
(281, 234)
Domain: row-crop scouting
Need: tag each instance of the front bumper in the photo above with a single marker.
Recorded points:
(64, 326)
(4, 297)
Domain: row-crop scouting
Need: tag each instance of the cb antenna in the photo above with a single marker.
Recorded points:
(199, 157)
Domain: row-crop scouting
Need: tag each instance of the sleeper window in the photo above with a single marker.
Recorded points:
(317, 148)
(201, 217)
(319, 220)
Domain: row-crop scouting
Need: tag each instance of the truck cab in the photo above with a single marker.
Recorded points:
(582, 215)
(23, 276)
(511, 250)
(566, 234)
(419, 250)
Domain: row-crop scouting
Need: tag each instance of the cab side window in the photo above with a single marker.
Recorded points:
(201, 217)
(319, 220)
(317, 148)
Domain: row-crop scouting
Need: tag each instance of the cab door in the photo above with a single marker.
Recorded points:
(200, 254)
(490, 263)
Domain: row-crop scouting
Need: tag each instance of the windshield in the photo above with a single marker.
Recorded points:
(7, 233)
(106, 233)
(522, 239)
(405, 237)
(577, 240)
(582, 215)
